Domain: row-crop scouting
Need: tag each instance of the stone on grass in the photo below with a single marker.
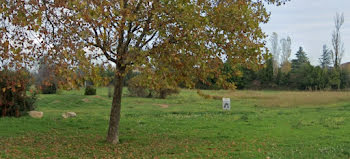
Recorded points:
(36, 114)
(69, 115)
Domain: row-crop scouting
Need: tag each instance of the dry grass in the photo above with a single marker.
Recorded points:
(286, 98)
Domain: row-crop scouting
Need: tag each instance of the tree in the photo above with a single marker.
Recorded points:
(286, 49)
(301, 59)
(338, 45)
(275, 50)
(191, 36)
(334, 78)
(243, 76)
(265, 75)
(300, 73)
(286, 52)
(45, 79)
(325, 59)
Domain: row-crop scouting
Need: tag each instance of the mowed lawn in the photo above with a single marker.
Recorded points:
(260, 124)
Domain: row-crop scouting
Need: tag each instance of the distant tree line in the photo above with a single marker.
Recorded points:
(295, 74)
(299, 75)
(279, 72)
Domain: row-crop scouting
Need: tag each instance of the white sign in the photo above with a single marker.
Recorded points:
(226, 105)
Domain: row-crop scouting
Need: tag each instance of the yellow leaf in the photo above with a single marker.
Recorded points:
(3, 89)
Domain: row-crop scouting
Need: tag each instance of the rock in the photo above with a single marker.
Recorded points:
(69, 115)
(36, 114)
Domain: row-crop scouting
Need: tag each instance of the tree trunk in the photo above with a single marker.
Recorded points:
(113, 130)
(162, 93)
(4, 111)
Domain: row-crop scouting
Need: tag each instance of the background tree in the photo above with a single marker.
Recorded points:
(300, 60)
(286, 50)
(244, 76)
(45, 79)
(300, 68)
(338, 45)
(334, 79)
(325, 59)
(305, 76)
(265, 75)
(191, 36)
(344, 79)
(275, 51)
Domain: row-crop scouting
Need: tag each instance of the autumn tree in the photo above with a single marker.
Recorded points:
(286, 51)
(176, 40)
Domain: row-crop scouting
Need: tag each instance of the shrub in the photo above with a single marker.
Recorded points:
(164, 92)
(90, 90)
(13, 98)
(136, 90)
(48, 88)
(139, 88)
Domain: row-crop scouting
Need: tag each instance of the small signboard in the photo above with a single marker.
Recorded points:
(226, 104)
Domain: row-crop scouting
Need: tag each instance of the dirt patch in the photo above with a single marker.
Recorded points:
(85, 100)
(162, 105)
(99, 97)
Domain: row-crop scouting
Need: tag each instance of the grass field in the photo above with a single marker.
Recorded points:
(261, 124)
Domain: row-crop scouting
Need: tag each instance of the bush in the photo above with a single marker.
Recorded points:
(164, 92)
(90, 90)
(138, 88)
(48, 89)
(13, 98)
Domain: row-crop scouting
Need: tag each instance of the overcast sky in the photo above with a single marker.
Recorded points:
(310, 23)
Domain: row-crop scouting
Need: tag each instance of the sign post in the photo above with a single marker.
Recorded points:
(226, 103)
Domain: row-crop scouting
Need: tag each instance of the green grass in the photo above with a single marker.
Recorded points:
(182, 126)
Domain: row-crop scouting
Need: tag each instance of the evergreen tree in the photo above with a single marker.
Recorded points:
(301, 59)
(265, 75)
(325, 59)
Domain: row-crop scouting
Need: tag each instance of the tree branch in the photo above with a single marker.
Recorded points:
(98, 45)
(150, 39)
(145, 29)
